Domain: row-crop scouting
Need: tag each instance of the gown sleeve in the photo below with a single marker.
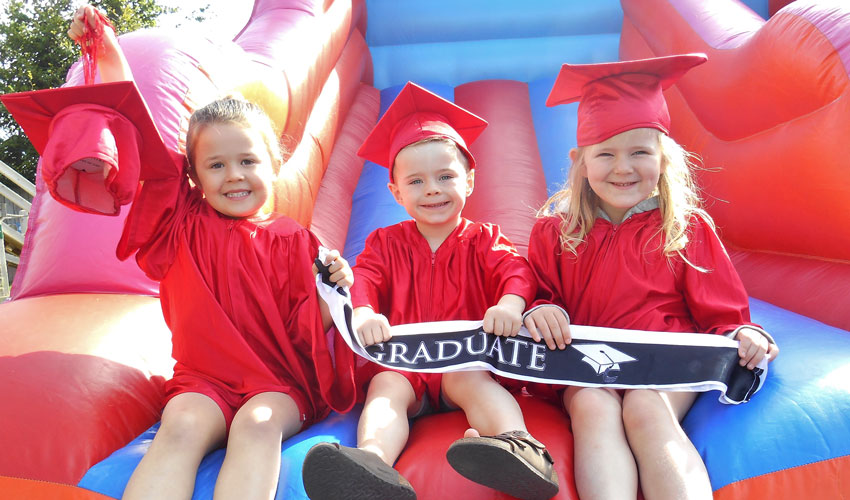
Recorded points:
(95, 154)
(332, 360)
(544, 256)
(91, 161)
(716, 299)
(369, 277)
(506, 271)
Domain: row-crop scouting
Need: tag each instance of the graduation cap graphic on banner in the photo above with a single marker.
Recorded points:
(603, 359)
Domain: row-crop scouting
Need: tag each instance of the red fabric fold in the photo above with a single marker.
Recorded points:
(240, 299)
(620, 279)
(91, 162)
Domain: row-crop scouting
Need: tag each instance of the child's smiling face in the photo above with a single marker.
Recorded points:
(234, 169)
(431, 182)
(623, 170)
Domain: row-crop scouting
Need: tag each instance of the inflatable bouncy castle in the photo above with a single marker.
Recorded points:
(85, 350)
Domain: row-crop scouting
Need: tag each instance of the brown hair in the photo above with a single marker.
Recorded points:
(235, 111)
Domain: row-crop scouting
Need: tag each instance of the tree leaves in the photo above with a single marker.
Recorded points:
(37, 53)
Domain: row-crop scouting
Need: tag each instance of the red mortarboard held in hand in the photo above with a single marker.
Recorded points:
(86, 134)
(418, 114)
(620, 96)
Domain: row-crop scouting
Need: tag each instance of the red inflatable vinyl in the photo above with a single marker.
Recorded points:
(13, 487)
(333, 200)
(92, 355)
(430, 438)
(509, 165)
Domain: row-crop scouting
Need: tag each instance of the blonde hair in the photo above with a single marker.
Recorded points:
(231, 110)
(678, 200)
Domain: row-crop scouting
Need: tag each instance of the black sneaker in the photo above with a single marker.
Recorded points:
(334, 472)
(512, 462)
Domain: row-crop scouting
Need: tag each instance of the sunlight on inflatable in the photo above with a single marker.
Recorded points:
(144, 323)
(837, 379)
(328, 102)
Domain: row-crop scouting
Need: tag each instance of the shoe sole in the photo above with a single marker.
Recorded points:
(498, 468)
(330, 474)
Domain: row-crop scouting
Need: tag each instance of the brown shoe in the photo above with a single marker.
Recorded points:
(512, 462)
(334, 472)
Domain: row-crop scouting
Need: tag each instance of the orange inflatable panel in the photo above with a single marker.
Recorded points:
(769, 113)
(15, 488)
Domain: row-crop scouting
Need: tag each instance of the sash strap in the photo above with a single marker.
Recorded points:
(596, 357)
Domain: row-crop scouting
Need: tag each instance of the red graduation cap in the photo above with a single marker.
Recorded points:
(417, 114)
(109, 122)
(619, 96)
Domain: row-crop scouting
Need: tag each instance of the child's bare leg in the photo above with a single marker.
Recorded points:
(670, 467)
(252, 463)
(507, 458)
(490, 408)
(383, 428)
(192, 426)
(335, 472)
(604, 465)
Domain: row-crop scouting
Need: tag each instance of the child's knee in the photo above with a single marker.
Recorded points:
(392, 385)
(643, 409)
(266, 416)
(466, 379)
(259, 430)
(592, 404)
(189, 430)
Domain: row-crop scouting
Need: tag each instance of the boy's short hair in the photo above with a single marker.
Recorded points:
(436, 138)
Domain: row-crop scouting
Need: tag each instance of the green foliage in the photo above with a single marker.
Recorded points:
(37, 53)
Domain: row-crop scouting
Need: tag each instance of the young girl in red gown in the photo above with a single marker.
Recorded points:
(254, 364)
(626, 245)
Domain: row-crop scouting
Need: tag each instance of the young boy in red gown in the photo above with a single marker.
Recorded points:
(437, 266)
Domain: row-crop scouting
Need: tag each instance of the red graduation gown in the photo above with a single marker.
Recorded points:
(238, 295)
(399, 277)
(620, 278)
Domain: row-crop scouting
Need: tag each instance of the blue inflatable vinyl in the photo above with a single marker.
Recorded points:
(110, 476)
(401, 23)
(457, 42)
(555, 128)
(799, 416)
